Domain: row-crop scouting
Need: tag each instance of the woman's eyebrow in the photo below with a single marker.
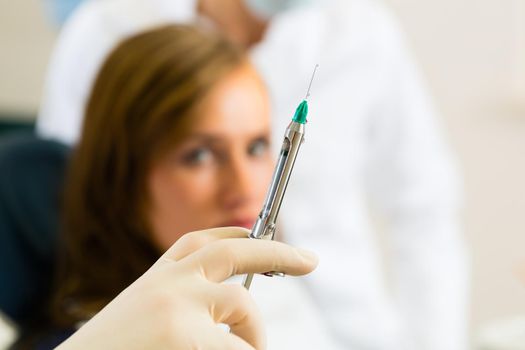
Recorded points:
(219, 137)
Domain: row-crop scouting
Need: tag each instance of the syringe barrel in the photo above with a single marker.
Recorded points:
(264, 227)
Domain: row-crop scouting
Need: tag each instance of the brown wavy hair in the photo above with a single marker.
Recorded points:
(141, 105)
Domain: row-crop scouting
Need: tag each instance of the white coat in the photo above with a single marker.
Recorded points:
(372, 141)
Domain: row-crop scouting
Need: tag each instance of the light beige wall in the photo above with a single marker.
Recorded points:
(26, 40)
(473, 54)
(520, 44)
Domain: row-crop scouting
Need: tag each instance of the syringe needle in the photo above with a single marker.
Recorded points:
(311, 81)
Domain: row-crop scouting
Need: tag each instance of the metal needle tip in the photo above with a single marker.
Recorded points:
(311, 81)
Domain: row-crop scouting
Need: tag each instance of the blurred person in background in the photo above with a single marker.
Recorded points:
(374, 145)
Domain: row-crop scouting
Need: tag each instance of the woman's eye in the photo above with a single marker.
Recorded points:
(258, 148)
(198, 156)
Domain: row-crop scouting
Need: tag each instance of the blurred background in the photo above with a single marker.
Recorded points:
(472, 53)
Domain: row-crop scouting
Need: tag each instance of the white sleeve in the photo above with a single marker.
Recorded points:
(414, 183)
(83, 44)
(67, 83)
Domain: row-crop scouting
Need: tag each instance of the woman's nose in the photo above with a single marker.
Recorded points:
(238, 182)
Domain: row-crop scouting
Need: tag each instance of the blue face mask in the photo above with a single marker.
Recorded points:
(59, 10)
(269, 8)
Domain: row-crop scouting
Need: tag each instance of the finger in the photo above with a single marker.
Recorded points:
(222, 259)
(218, 339)
(193, 241)
(234, 306)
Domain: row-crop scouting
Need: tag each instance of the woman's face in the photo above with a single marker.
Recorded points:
(219, 173)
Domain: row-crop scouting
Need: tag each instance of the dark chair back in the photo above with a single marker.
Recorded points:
(31, 176)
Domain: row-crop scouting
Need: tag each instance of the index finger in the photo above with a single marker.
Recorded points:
(193, 241)
(222, 259)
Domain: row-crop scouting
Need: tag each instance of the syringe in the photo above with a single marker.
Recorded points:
(264, 227)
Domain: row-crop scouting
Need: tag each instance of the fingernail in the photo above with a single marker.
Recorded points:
(308, 255)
